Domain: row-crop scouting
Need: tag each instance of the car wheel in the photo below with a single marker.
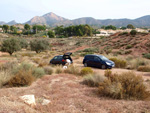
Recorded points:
(85, 64)
(103, 66)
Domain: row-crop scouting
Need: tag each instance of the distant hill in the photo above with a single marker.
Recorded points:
(13, 22)
(49, 19)
(54, 20)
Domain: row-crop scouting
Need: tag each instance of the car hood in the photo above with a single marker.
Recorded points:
(109, 61)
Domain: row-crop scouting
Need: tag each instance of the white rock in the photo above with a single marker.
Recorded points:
(45, 102)
(28, 99)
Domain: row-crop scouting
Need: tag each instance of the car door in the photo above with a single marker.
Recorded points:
(90, 61)
(97, 62)
(55, 60)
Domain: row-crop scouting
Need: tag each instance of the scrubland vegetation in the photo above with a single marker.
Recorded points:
(28, 59)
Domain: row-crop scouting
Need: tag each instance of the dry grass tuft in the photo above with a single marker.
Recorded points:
(86, 70)
(93, 80)
(144, 68)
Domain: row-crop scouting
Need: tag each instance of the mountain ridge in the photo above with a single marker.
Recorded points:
(53, 20)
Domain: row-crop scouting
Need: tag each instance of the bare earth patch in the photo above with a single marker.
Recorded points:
(67, 95)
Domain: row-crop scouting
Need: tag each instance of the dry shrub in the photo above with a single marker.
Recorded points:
(22, 78)
(144, 68)
(124, 86)
(58, 69)
(5, 76)
(8, 65)
(38, 72)
(27, 54)
(86, 70)
(48, 70)
(119, 63)
(135, 63)
(36, 60)
(72, 70)
(43, 63)
(93, 80)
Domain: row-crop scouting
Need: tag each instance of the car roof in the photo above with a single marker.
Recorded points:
(58, 55)
(94, 55)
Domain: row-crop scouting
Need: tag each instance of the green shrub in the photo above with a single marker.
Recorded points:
(123, 33)
(86, 53)
(144, 68)
(23, 43)
(72, 70)
(38, 72)
(147, 55)
(39, 45)
(93, 50)
(22, 78)
(23, 66)
(51, 34)
(93, 80)
(10, 45)
(133, 32)
(129, 47)
(86, 70)
(124, 86)
(119, 63)
(48, 70)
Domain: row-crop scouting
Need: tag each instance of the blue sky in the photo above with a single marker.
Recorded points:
(24, 10)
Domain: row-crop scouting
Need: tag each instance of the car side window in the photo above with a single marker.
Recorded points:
(55, 57)
(96, 58)
(90, 57)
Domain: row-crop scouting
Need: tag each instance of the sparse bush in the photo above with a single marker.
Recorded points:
(39, 45)
(124, 86)
(123, 33)
(119, 63)
(58, 70)
(93, 50)
(86, 70)
(10, 45)
(22, 78)
(72, 70)
(144, 68)
(48, 70)
(135, 63)
(5, 76)
(129, 47)
(38, 72)
(147, 55)
(23, 66)
(93, 80)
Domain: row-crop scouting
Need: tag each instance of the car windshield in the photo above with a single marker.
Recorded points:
(103, 58)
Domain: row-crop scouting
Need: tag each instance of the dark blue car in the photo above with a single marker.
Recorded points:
(98, 61)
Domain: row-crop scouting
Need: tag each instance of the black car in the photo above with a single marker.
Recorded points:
(98, 61)
(61, 59)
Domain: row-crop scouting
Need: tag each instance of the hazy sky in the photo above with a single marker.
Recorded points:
(24, 10)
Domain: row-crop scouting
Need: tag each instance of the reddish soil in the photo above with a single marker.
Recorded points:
(67, 95)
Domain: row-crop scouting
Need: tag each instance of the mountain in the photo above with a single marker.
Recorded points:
(55, 20)
(13, 22)
(49, 18)
(2, 23)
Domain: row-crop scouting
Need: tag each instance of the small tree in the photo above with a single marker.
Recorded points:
(6, 28)
(10, 45)
(51, 34)
(130, 26)
(133, 32)
(39, 45)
